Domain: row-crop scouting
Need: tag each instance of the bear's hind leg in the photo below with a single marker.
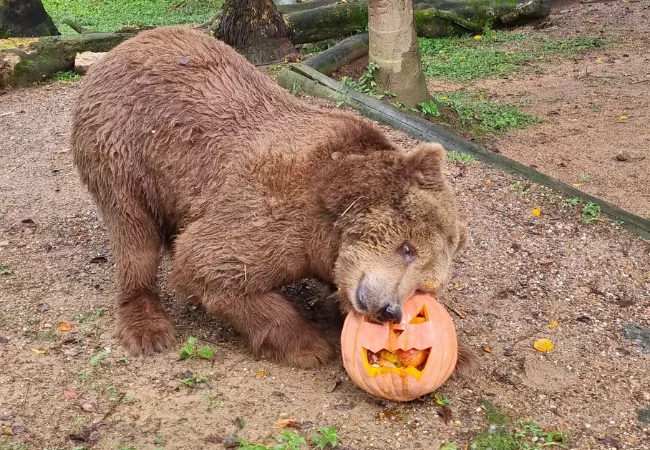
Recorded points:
(142, 325)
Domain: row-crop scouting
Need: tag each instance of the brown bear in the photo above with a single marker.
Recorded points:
(185, 145)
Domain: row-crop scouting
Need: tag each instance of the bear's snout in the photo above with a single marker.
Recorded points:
(390, 312)
(371, 295)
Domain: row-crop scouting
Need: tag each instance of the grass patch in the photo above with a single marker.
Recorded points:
(111, 15)
(461, 158)
(496, 53)
(67, 76)
(483, 116)
(503, 434)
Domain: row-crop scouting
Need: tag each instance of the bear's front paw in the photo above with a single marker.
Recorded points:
(143, 326)
(301, 346)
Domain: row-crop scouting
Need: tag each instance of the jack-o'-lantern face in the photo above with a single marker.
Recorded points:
(401, 361)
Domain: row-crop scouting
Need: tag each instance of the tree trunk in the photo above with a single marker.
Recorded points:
(255, 29)
(25, 18)
(394, 48)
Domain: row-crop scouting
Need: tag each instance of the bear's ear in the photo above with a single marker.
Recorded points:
(425, 164)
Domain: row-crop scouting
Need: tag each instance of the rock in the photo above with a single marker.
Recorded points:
(84, 60)
(623, 155)
(641, 335)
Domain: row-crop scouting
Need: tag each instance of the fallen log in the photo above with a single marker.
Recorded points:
(433, 18)
(339, 55)
(24, 61)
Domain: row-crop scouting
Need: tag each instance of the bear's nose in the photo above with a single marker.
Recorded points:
(391, 312)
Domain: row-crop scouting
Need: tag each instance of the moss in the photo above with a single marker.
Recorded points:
(494, 415)
(16, 43)
(495, 440)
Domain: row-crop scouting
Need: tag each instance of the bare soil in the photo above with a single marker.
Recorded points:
(595, 107)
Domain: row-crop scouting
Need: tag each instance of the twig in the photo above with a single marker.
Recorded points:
(75, 26)
(640, 81)
(110, 411)
(458, 312)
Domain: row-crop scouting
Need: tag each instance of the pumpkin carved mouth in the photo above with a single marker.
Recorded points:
(411, 361)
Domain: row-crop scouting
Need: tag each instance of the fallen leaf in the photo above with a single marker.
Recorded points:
(64, 326)
(537, 211)
(576, 185)
(344, 407)
(89, 435)
(445, 414)
(487, 349)
(99, 259)
(622, 118)
(70, 394)
(17, 430)
(552, 324)
(39, 351)
(599, 60)
(260, 373)
(543, 345)
(478, 37)
(287, 423)
(3, 340)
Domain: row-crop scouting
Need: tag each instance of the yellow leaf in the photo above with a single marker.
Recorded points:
(444, 97)
(487, 349)
(576, 185)
(622, 118)
(543, 345)
(261, 373)
(541, 57)
(287, 423)
(478, 37)
(599, 61)
(38, 351)
(314, 379)
(552, 324)
(537, 211)
(64, 326)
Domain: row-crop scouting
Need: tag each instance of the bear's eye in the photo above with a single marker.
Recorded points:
(408, 251)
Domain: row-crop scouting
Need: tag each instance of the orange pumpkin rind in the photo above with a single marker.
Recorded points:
(373, 354)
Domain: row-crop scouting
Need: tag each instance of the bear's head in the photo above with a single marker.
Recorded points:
(399, 227)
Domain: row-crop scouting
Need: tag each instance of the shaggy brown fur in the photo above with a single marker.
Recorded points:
(180, 139)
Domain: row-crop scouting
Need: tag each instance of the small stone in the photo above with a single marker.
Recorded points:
(230, 441)
(70, 352)
(623, 155)
(84, 60)
(89, 407)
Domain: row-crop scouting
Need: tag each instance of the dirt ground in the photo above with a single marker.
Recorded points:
(582, 139)
(519, 274)
(582, 102)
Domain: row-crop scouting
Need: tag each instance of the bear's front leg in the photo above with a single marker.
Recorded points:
(243, 295)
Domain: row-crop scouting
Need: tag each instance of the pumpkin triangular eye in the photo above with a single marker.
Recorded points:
(421, 317)
(397, 332)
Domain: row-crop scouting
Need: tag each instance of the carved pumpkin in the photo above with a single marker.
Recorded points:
(404, 361)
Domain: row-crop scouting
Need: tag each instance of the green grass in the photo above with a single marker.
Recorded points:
(485, 116)
(504, 434)
(460, 158)
(496, 53)
(67, 76)
(111, 15)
